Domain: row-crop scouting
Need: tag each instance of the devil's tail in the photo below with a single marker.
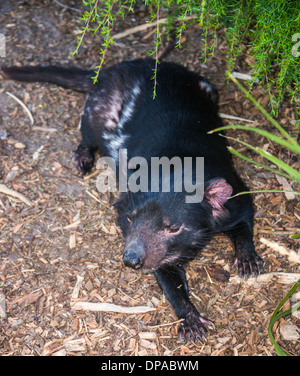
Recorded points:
(69, 78)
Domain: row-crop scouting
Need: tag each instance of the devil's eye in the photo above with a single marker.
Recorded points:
(173, 229)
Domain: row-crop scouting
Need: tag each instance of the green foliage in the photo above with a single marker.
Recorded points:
(282, 139)
(269, 28)
(102, 17)
(276, 316)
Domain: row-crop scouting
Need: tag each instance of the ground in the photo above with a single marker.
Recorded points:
(69, 230)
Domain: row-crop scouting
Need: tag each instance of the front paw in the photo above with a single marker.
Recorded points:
(83, 159)
(248, 265)
(192, 329)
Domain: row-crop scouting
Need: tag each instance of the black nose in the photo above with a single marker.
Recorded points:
(132, 260)
(134, 255)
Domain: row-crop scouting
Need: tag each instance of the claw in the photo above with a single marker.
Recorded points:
(192, 329)
(83, 159)
(248, 266)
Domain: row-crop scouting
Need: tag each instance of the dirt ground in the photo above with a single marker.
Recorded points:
(69, 229)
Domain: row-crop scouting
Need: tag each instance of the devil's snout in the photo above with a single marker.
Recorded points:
(134, 255)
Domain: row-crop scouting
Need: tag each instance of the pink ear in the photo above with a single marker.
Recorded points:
(217, 193)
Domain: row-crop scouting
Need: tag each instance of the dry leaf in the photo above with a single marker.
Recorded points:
(29, 299)
(286, 186)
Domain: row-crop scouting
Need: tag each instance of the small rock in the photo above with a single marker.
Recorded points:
(19, 145)
(3, 134)
(72, 345)
(148, 335)
(11, 175)
(289, 332)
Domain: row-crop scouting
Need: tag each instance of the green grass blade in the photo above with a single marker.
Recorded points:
(291, 146)
(293, 174)
(290, 170)
(266, 191)
(236, 153)
(295, 236)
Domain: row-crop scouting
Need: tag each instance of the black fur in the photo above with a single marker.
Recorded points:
(69, 78)
(162, 232)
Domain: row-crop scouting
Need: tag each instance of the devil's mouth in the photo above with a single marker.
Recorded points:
(167, 259)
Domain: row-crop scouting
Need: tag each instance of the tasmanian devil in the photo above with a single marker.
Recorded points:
(162, 231)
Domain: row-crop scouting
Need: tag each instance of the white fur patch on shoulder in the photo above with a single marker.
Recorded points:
(120, 110)
(130, 105)
(121, 107)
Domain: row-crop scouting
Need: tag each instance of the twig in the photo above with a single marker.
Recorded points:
(208, 275)
(146, 26)
(68, 7)
(170, 47)
(107, 307)
(67, 227)
(292, 255)
(22, 105)
(44, 129)
(93, 196)
(284, 278)
(87, 177)
(77, 287)
(231, 117)
(11, 192)
(167, 324)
